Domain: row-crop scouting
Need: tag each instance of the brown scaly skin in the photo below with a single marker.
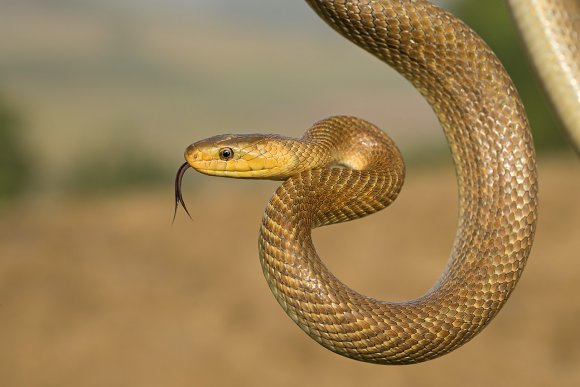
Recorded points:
(488, 134)
(551, 30)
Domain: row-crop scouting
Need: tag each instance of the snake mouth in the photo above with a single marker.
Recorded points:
(178, 196)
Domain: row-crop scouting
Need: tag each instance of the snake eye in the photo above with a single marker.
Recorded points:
(226, 154)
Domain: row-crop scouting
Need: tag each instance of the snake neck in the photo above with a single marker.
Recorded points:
(349, 142)
(335, 142)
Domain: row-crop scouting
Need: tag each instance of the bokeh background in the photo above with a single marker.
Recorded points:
(98, 99)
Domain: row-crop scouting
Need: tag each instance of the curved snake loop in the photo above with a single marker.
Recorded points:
(345, 168)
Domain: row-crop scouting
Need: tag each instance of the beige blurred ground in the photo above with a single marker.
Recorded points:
(106, 292)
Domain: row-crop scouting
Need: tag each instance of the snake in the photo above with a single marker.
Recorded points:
(551, 30)
(345, 168)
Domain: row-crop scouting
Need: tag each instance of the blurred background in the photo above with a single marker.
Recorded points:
(98, 100)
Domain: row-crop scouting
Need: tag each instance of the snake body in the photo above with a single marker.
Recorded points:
(551, 30)
(345, 168)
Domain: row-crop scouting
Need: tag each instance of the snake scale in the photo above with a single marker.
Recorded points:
(345, 168)
(551, 30)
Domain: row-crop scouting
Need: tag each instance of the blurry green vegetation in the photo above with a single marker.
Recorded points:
(119, 166)
(494, 23)
(14, 157)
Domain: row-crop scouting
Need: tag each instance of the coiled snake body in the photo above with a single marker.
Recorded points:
(345, 168)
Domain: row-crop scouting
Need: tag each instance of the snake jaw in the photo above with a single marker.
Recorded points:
(178, 196)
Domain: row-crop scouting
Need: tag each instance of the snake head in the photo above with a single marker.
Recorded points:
(250, 156)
